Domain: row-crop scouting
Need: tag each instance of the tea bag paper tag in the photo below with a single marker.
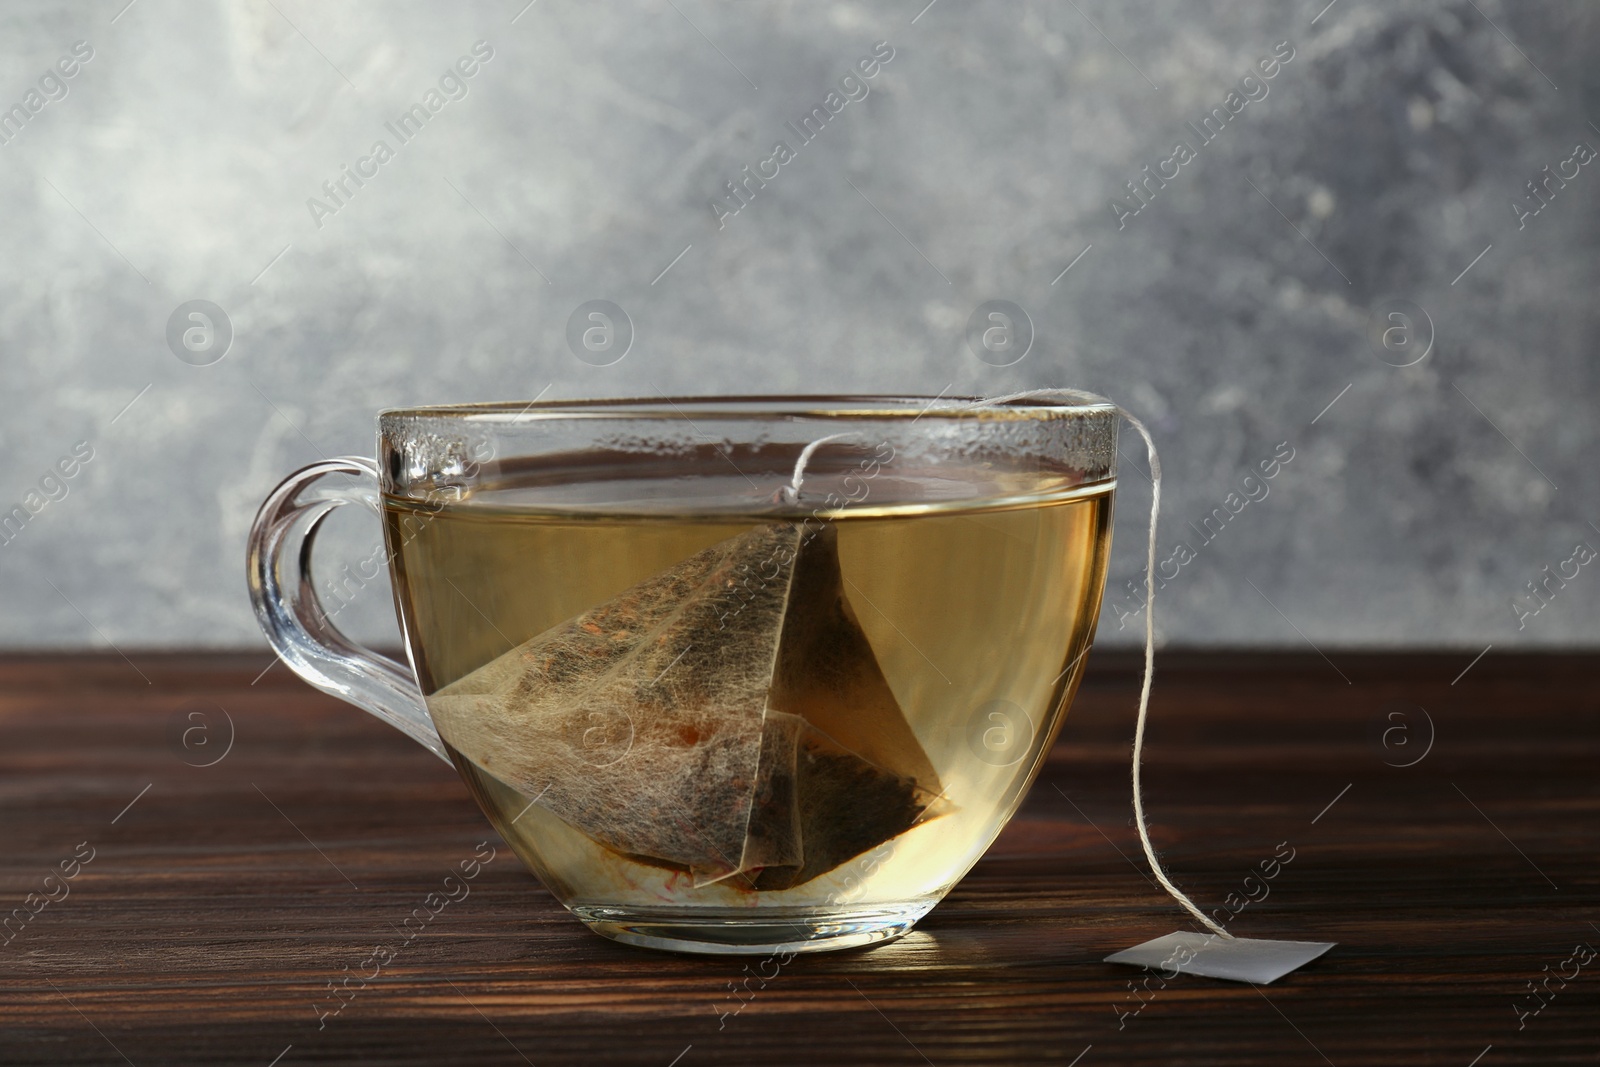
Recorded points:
(1237, 959)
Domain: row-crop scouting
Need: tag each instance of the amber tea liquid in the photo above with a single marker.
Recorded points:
(978, 611)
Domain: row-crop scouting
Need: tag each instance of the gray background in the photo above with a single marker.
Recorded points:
(582, 161)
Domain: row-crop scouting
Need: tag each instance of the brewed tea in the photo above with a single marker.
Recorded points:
(791, 710)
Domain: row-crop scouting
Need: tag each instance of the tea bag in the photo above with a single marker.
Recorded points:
(761, 738)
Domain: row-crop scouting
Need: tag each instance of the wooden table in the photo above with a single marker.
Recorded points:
(221, 900)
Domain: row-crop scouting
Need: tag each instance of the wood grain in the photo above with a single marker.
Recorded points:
(219, 904)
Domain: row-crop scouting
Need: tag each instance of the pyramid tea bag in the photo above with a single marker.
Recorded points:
(725, 717)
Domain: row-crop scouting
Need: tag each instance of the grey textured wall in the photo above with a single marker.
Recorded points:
(1382, 164)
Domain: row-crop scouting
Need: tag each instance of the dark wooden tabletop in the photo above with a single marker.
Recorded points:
(217, 902)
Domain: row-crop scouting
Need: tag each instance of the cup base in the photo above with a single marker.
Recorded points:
(751, 932)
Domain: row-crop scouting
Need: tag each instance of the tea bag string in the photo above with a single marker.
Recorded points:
(790, 494)
(1149, 630)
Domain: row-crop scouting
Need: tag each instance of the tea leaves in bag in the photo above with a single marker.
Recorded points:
(725, 717)
(862, 776)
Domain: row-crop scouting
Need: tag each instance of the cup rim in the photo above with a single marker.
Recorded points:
(754, 406)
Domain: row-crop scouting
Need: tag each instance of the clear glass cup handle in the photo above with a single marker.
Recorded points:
(286, 604)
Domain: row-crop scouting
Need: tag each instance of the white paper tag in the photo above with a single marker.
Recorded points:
(1238, 959)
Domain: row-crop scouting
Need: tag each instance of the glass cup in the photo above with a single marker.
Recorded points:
(730, 675)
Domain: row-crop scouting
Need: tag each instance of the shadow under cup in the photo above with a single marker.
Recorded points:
(738, 675)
